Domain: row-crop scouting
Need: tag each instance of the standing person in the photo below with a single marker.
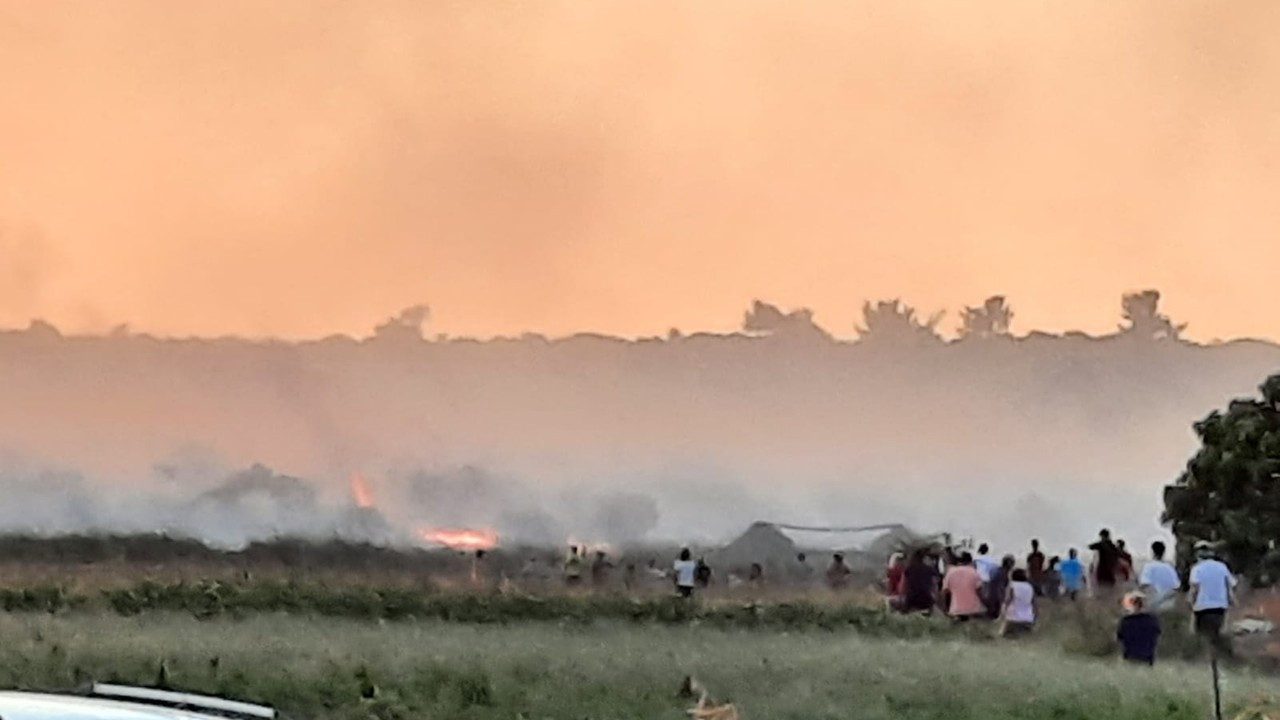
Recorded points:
(1019, 605)
(1212, 593)
(1124, 564)
(600, 569)
(803, 570)
(1035, 567)
(573, 568)
(702, 574)
(893, 577)
(1139, 631)
(684, 571)
(962, 590)
(1072, 571)
(1106, 562)
(984, 563)
(998, 585)
(920, 583)
(838, 573)
(1159, 581)
(1051, 583)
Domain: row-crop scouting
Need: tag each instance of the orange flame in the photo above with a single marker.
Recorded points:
(361, 491)
(474, 539)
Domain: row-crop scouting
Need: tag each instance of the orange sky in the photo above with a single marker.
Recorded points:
(301, 167)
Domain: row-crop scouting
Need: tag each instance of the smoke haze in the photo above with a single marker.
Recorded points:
(220, 167)
(255, 175)
(687, 438)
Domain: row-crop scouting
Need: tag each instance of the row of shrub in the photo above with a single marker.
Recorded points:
(210, 599)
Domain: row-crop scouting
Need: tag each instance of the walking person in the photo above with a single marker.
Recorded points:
(1035, 567)
(1106, 563)
(1159, 581)
(893, 580)
(1072, 571)
(1139, 631)
(1019, 605)
(998, 586)
(962, 590)
(920, 583)
(1212, 594)
(1051, 583)
(685, 572)
(838, 573)
(985, 563)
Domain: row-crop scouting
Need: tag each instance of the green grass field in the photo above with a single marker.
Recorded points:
(331, 667)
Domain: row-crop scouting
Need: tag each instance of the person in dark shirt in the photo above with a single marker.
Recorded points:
(920, 585)
(702, 574)
(1051, 581)
(997, 588)
(1124, 563)
(1108, 558)
(1139, 631)
(1035, 568)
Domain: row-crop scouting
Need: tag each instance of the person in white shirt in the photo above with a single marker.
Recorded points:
(1019, 605)
(1159, 581)
(685, 573)
(985, 564)
(1212, 593)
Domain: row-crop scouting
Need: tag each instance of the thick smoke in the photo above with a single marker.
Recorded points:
(686, 439)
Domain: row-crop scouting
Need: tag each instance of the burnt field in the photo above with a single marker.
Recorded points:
(104, 561)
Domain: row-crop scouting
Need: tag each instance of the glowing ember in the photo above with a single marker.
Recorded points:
(461, 539)
(361, 491)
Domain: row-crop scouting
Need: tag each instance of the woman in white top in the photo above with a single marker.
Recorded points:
(1019, 606)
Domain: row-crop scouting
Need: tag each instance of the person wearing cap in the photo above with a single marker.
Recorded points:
(1139, 630)
(1212, 593)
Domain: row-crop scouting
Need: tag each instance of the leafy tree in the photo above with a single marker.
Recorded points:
(895, 322)
(990, 320)
(1143, 318)
(1230, 491)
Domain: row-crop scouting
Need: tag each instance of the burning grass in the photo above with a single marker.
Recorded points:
(326, 668)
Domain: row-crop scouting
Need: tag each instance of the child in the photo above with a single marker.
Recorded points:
(1139, 631)
(1019, 605)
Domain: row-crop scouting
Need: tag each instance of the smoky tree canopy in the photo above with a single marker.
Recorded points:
(895, 322)
(989, 320)
(1143, 318)
(1230, 491)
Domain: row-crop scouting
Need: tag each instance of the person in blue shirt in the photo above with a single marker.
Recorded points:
(1072, 571)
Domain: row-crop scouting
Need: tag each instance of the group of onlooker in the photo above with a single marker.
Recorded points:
(967, 587)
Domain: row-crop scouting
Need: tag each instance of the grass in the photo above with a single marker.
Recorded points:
(327, 668)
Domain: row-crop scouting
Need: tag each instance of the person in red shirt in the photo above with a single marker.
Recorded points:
(893, 579)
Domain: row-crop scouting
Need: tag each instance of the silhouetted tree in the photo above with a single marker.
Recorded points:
(766, 319)
(1143, 318)
(893, 321)
(408, 325)
(1230, 491)
(990, 320)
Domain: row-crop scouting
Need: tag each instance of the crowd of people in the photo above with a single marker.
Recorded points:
(969, 587)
